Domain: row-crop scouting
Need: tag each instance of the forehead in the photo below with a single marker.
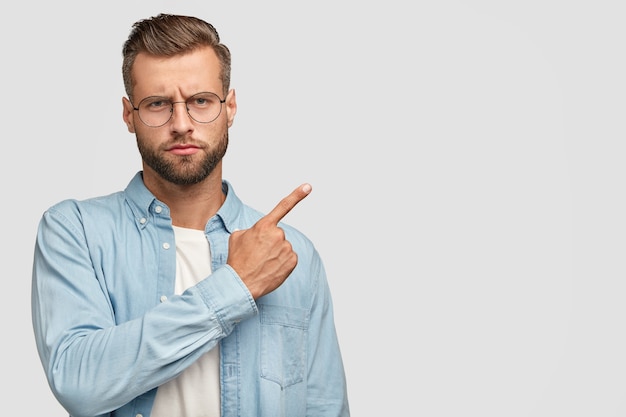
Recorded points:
(176, 76)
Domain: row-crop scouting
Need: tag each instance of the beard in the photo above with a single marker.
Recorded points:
(187, 169)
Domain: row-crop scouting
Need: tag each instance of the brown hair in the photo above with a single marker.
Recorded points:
(170, 35)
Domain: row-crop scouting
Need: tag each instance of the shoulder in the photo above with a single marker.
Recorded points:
(100, 204)
(297, 238)
(75, 213)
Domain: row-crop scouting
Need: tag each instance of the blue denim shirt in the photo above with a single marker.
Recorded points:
(109, 328)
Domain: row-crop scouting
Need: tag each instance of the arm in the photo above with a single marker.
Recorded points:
(95, 364)
(326, 391)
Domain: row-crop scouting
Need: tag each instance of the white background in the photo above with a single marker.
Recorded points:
(468, 182)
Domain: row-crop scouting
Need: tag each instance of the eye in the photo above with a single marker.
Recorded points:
(156, 103)
(202, 100)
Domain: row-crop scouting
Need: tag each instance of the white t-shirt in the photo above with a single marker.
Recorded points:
(196, 391)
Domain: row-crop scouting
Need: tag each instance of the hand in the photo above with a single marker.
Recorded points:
(261, 255)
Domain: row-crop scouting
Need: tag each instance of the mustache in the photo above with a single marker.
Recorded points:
(183, 141)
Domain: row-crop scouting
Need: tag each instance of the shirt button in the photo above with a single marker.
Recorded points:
(142, 220)
(139, 415)
(158, 209)
(163, 298)
(166, 245)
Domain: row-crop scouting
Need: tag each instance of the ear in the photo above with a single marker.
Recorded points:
(231, 107)
(128, 114)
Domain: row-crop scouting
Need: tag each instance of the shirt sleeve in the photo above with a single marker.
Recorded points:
(326, 389)
(93, 363)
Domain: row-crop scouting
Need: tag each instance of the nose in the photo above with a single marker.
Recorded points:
(181, 121)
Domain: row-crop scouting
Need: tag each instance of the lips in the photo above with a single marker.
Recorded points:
(183, 149)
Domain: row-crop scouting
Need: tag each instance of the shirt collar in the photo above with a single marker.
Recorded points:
(141, 199)
(231, 210)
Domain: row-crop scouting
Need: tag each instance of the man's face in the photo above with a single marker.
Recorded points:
(182, 151)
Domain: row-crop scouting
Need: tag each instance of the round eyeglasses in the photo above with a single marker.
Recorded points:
(202, 107)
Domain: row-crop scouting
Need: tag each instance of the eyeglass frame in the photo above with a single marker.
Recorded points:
(177, 102)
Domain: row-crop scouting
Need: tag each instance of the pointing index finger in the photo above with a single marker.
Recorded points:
(286, 204)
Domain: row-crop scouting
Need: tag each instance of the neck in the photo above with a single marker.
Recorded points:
(191, 206)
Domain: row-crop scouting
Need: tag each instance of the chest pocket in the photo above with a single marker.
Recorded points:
(283, 343)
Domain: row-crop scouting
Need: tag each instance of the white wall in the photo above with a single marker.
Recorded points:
(467, 165)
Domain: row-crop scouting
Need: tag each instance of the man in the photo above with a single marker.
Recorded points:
(172, 298)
